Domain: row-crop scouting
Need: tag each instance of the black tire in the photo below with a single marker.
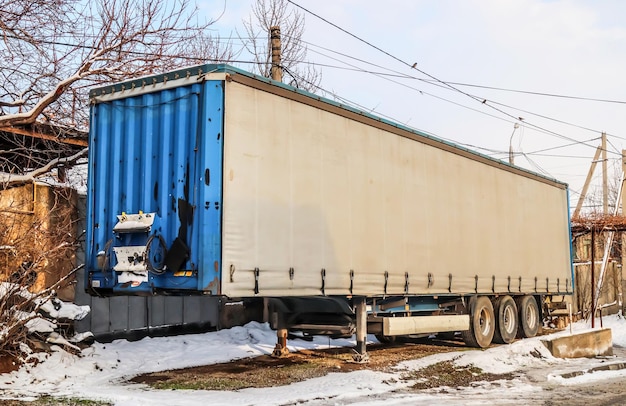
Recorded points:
(506, 320)
(446, 335)
(528, 325)
(482, 323)
(385, 339)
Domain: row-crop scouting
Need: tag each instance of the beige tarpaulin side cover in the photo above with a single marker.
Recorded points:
(321, 203)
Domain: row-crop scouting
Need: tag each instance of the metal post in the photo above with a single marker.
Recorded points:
(281, 333)
(593, 276)
(605, 179)
(361, 330)
(623, 185)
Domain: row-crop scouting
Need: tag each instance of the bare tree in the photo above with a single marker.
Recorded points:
(269, 13)
(51, 53)
(53, 49)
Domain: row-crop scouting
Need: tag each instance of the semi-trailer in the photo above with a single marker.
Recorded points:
(212, 180)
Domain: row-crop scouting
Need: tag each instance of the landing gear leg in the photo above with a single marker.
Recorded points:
(281, 343)
(361, 355)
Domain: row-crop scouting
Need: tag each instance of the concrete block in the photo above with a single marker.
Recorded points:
(589, 344)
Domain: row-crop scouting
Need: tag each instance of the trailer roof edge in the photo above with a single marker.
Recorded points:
(225, 72)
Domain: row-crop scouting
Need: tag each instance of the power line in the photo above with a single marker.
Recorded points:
(398, 74)
(561, 96)
(383, 76)
(380, 74)
(406, 76)
(414, 66)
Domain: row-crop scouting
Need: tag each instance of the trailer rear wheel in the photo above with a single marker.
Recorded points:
(528, 316)
(482, 323)
(506, 320)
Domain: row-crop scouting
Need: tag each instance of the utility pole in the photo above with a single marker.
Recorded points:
(277, 70)
(605, 179)
(623, 185)
(593, 276)
(592, 168)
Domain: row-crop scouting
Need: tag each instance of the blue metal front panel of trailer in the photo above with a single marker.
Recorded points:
(159, 153)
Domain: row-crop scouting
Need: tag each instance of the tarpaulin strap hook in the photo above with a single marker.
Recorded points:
(406, 282)
(323, 281)
(386, 280)
(351, 280)
(256, 281)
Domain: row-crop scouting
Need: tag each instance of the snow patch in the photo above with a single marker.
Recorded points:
(99, 372)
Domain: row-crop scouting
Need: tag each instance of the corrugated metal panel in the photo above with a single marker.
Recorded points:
(324, 195)
(160, 153)
(110, 317)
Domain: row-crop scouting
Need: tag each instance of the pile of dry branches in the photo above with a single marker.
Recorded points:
(35, 321)
(599, 222)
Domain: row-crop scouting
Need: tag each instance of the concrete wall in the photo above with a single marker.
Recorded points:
(38, 236)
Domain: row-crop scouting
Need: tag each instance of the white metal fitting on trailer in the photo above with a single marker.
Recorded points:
(134, 223)
(132, 260)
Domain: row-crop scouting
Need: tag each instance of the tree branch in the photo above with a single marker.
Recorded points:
(8, 179)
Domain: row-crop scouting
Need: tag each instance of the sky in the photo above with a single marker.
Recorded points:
(567, 48)
(102, 370)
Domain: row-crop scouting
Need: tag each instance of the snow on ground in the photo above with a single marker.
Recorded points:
(102, 370)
